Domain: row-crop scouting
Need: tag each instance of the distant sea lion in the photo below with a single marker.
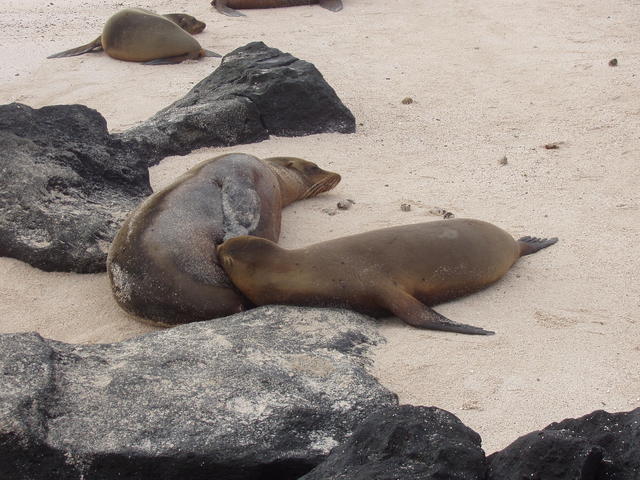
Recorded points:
(138, 35)
(402, 270)
(228, 7)
(162, 263)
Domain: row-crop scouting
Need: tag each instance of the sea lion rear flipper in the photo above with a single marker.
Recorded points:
(96, 45)
(333, 5)
(414, 312)
(221, 6)
(529, 245)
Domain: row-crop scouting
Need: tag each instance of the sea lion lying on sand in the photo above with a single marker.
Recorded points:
(228, 7)
(138, 35)
(402, 270)
(162, 263)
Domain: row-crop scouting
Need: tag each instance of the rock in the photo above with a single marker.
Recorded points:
(257, 91)
(406, 443)
(601, 445)
(546, 455)
(262, 394)
(437, 211)
(65, 186)
(345, 204)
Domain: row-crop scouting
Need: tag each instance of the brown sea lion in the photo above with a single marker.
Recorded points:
(402, 270)
(228, 7)
(162, 263)
(138, 35)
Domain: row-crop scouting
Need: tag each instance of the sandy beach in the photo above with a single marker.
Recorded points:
(489, 80)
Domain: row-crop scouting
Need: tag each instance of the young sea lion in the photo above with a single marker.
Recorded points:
(138, 35)
(162, 263)
(228, 7)
(402, 270)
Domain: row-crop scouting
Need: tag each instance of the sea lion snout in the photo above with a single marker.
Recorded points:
(325, 184)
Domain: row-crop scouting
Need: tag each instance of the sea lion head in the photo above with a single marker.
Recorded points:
(187, 22)
(241, 256)
(300, 179)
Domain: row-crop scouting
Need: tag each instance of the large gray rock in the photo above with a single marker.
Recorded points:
(406, 443)
(257, 91)
(263, 394)
(598, 446)
(65, 186)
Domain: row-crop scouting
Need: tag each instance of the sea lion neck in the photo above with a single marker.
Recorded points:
(291, 183)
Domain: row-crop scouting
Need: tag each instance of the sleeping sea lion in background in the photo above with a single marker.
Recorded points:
(162, 263)
(138, 35)
(402, 270)
(228, 7)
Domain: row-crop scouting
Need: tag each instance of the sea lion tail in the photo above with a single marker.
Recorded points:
(529, 245)
(96, 45)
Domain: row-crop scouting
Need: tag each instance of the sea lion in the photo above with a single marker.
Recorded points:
(402, 270)
(227, 7)
(138, 35)
(162, 263)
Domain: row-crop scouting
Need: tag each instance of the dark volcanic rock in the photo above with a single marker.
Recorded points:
(546, 455)
(406, 443)
(263, 394)
(65, 186)
(257, 91)
(601, 445)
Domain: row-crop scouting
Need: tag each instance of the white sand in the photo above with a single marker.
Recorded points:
(489, 78)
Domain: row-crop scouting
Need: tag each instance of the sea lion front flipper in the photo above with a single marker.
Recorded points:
(240, 209)
(209, 53)
(168, 60)
(333, 5)
(221, 6)
(96, 45)
(412, 311)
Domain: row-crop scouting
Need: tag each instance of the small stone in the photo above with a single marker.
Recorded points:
(345, 204)
(613, 62)
(441, 212)
(407, 100)
(405, 207)
(553, 145)
(503, 161)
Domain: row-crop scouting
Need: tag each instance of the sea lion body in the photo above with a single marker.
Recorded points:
(138, 35)
(228, 7)
(403, 270)
(162, 263)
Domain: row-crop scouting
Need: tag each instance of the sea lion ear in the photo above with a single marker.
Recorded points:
(289, 164)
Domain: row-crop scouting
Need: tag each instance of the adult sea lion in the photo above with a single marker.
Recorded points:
(138, 35)
(162, 263)
(228, 7)
(402, 270)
